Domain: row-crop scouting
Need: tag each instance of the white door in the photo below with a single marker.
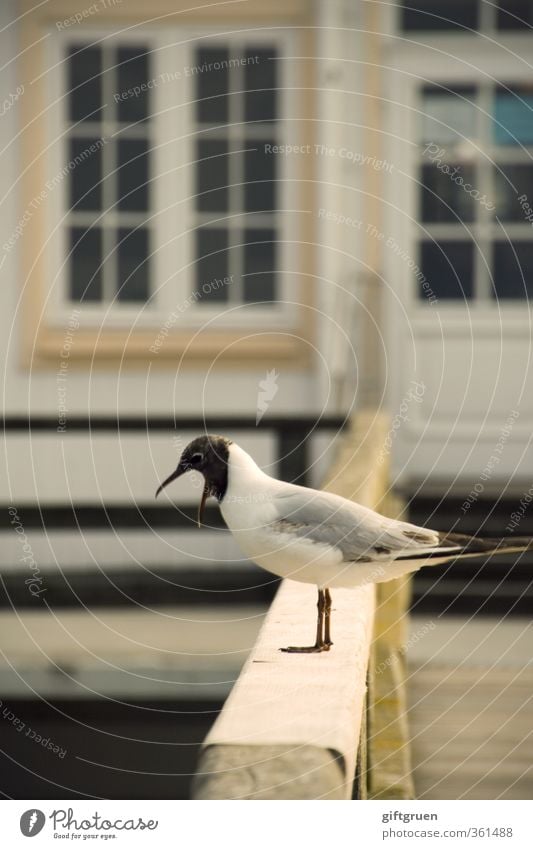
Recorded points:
(458, 260)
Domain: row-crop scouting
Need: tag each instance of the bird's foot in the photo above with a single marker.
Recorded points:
(318, 647)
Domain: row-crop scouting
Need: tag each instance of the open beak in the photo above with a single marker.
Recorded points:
(205, 495)
(177, 474)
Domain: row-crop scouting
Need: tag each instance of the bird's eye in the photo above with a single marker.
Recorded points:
(197, 458)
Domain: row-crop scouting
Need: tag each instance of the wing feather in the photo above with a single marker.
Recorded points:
(359, 533)
(362, 535)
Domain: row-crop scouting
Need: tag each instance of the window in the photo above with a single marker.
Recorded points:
(236, 128)
(108, 171)
(465, 15)
(174, 192)
(475, 171)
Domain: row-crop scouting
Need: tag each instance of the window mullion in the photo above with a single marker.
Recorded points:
(237, 179)
(487, 17)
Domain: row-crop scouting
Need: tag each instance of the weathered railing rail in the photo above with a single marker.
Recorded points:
(295, 726)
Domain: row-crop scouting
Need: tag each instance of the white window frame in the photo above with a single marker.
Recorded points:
(172, 189)
(458, 60)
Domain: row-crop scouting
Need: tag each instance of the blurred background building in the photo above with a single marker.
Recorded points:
(252, 219)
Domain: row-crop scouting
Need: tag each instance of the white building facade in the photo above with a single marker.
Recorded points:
(236, 219)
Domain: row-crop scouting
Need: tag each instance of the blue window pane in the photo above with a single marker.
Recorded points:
(212, 175)
(448, 115)
(439, 15)
(513, 115)
(513, 270)
(133, 72)
(449, 269)
(133, 249)
(513, 186)
(212, 264)
(259, 281)
(259, 176)
(84, 83)
(443, 198)
(212, 85)
(515, 14)
(133, 175)
(85, 160)
(85, 264)
(260, 84)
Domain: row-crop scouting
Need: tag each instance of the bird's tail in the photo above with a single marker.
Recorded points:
(452, 548)
(462, 546)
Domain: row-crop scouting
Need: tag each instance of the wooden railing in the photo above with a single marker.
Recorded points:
(332, 725)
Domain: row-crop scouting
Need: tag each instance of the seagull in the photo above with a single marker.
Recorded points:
(317, 537)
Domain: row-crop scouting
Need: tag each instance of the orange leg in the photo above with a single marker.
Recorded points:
(327, 618)
(322, 640)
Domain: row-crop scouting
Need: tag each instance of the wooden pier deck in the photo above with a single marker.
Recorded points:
(470, 690)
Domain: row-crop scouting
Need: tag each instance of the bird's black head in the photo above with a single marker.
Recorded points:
(208, 455)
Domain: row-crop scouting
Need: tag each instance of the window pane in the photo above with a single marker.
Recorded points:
(212, 85)
(133, 175)
(448, 267)
(85, 161)
(84, 83)
(133, 279)
(212, 176)
(85, 265)
(513, 115)
(447, 116)
(439, 14)
(132, 71)
(212, 264)
(443, 198)
(260, 84)
(511, 185)
(259, 279)
(259, 175)
(513, 270)
(515, 14)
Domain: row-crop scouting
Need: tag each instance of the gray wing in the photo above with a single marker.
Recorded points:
(359, 533)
